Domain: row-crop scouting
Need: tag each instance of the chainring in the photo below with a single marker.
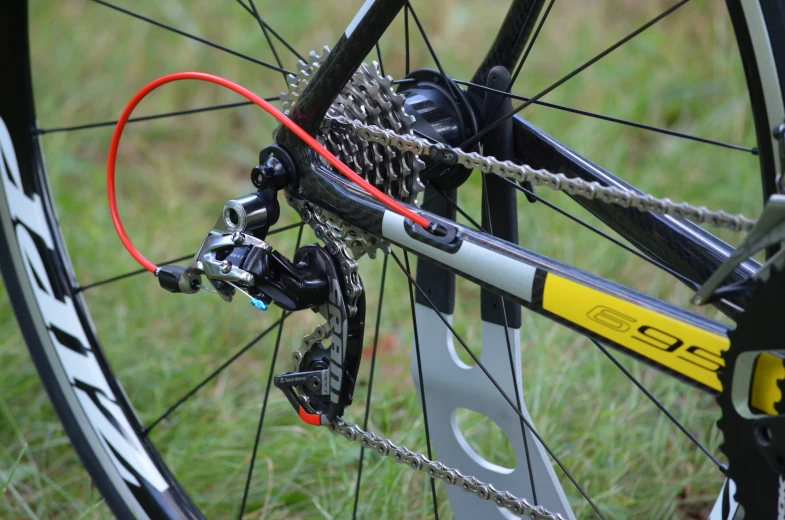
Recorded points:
(754, 443)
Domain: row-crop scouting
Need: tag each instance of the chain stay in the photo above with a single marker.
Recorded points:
(452, 477)
(556, 181)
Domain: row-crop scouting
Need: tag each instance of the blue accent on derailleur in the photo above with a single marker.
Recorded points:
(259, 304)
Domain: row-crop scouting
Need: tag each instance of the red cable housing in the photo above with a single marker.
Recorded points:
(288, 123)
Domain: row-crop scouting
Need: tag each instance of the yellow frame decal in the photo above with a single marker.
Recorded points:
(686, 349)
(683, 348)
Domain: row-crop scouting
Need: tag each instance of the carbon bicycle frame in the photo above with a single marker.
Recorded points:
(681, 343)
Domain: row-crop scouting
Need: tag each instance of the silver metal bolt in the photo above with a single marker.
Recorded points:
(238, 239)
(266, 246)
(225, 266)
(247, 278)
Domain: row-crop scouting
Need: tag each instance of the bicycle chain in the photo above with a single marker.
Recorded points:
(452, 477)
(518, 506)
(557, 181)
(320, 333)
(357, 240)
(337, 234)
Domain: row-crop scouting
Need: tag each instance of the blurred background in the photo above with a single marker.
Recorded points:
(174, 175)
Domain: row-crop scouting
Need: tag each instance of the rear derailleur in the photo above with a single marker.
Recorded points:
(235, 257)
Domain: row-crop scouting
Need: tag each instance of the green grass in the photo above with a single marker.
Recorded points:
(175, 174)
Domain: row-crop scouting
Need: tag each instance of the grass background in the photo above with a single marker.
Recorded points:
(175, 174)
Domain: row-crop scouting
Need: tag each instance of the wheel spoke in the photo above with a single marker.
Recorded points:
(659, 405)
(41, 131)
(493, 381)
(606, 236)
(410, 9)
(406, 37)
(432, 195)
(487, 206)
(274, 33)
(212, 376)
(407, 272)
(595, 115)
(457, 208)
(572, 74)
(260, 425)
(370, 386)
(193, 37)
(135, 272)
(531, 44)
(263, 26)
(379, 55)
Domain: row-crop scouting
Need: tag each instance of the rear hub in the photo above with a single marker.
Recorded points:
(443, 113)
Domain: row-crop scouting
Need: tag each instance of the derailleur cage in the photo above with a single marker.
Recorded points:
(322, 383)
(234, 256)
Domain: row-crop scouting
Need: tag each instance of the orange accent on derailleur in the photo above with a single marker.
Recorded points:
(314, 419)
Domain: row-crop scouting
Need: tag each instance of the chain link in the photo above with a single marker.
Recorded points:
(556, 181)
(452, 477)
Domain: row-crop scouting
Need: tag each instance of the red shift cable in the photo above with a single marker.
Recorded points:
(288, 123)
